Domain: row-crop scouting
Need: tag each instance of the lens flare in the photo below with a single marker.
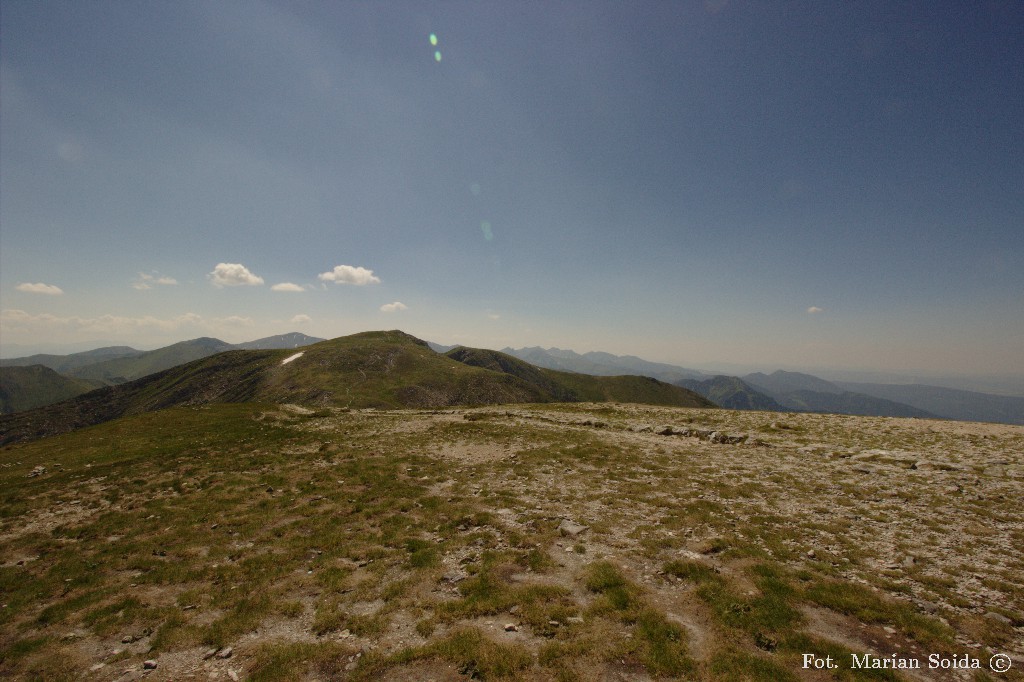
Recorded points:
(437, 56)
(485, 227)
(433, 40)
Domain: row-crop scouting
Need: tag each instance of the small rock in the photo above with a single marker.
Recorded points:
(149, 665)
(511, 627)
(576, 620)
(210, 653)
(345, 634)
(514, 609)
(270, 489)
(96, 667)
(567, 527)
(233, 675)
(811, 554)
(999, 618)
(128, 639)
(225, 652)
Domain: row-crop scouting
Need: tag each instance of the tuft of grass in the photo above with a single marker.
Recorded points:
(279, 661)
(860, 602)
(616, 592)
(476, 655)
(734, 665)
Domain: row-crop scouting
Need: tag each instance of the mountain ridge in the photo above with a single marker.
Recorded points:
(368, 370)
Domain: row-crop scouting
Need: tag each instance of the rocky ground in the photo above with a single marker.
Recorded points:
(539, 542)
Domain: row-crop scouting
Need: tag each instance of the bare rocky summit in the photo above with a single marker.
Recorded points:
(588, 541)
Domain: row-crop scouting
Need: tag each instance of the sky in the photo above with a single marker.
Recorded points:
(771, 184)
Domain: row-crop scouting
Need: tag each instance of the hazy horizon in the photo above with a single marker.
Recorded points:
(706, 184)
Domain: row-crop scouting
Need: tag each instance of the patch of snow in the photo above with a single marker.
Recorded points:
(292, 357)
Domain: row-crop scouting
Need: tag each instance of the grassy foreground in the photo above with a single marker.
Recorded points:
(552, 542)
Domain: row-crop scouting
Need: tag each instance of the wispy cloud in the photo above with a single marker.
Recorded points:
(493, 316)
(39, 288)
(19, 320)
(301, 319)
(393, 307)
(814, 310)
(287, 286)
(348, 274)
(146, 281)
(233, 275)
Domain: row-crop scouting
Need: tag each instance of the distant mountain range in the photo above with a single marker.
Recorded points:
(78, 373)
(808, 393)
(373, 369)
(793, 391)
(602, 364)
(950, 403)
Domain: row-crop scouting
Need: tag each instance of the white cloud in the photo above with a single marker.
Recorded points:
(235, 321)
(814, 310)
(233, 275)
(287, 286)
(493, 316)
(146, 281)
(347, 274)
(393, 307)
(40, 288)
(301, 319)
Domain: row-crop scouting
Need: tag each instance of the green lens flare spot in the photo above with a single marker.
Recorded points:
(485, 227)
(437, 56)
(433, 39)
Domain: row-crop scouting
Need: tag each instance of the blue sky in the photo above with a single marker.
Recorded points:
(779, 184)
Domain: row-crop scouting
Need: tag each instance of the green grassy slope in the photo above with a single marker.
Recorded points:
(732, 393)
(23, 388)
(630, 389)
(573, 387)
